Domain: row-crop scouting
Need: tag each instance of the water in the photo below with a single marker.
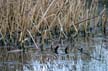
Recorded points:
(93, 58)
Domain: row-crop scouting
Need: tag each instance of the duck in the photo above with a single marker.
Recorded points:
(57, 50)
(66, 50)
(80, 49)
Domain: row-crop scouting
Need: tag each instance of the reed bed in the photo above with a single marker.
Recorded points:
(24, 20)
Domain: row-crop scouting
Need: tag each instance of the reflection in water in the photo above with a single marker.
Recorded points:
(92, 57)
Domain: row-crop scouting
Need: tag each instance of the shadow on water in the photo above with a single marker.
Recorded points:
(89, 54)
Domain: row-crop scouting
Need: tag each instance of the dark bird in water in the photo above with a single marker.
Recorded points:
(66, 50)
(58, 51)
(80, 49)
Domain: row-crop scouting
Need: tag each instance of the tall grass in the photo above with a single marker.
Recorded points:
(23, 19)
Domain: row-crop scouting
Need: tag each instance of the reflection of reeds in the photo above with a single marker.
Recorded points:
(45, 16)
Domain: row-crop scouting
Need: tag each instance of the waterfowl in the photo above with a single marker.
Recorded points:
(57, 50)
(66, 50)
(80, 49)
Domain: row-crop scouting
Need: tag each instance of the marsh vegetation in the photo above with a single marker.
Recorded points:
(31, 30)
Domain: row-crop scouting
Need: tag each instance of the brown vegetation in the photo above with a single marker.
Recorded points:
(23, 19)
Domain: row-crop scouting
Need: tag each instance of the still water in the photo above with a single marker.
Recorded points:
(94, 57)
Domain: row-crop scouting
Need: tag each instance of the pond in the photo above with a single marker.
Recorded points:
(93, 57)
(84, 54)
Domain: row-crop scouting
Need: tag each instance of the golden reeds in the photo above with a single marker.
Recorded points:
(25, 17)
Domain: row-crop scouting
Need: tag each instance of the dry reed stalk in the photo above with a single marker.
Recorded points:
(61, 29)
(45, 13)
(43, 16)
(33, 39)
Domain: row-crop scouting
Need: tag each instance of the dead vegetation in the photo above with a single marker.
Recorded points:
(22, 20)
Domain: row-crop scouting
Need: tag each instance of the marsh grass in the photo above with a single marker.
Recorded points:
(23, 19)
